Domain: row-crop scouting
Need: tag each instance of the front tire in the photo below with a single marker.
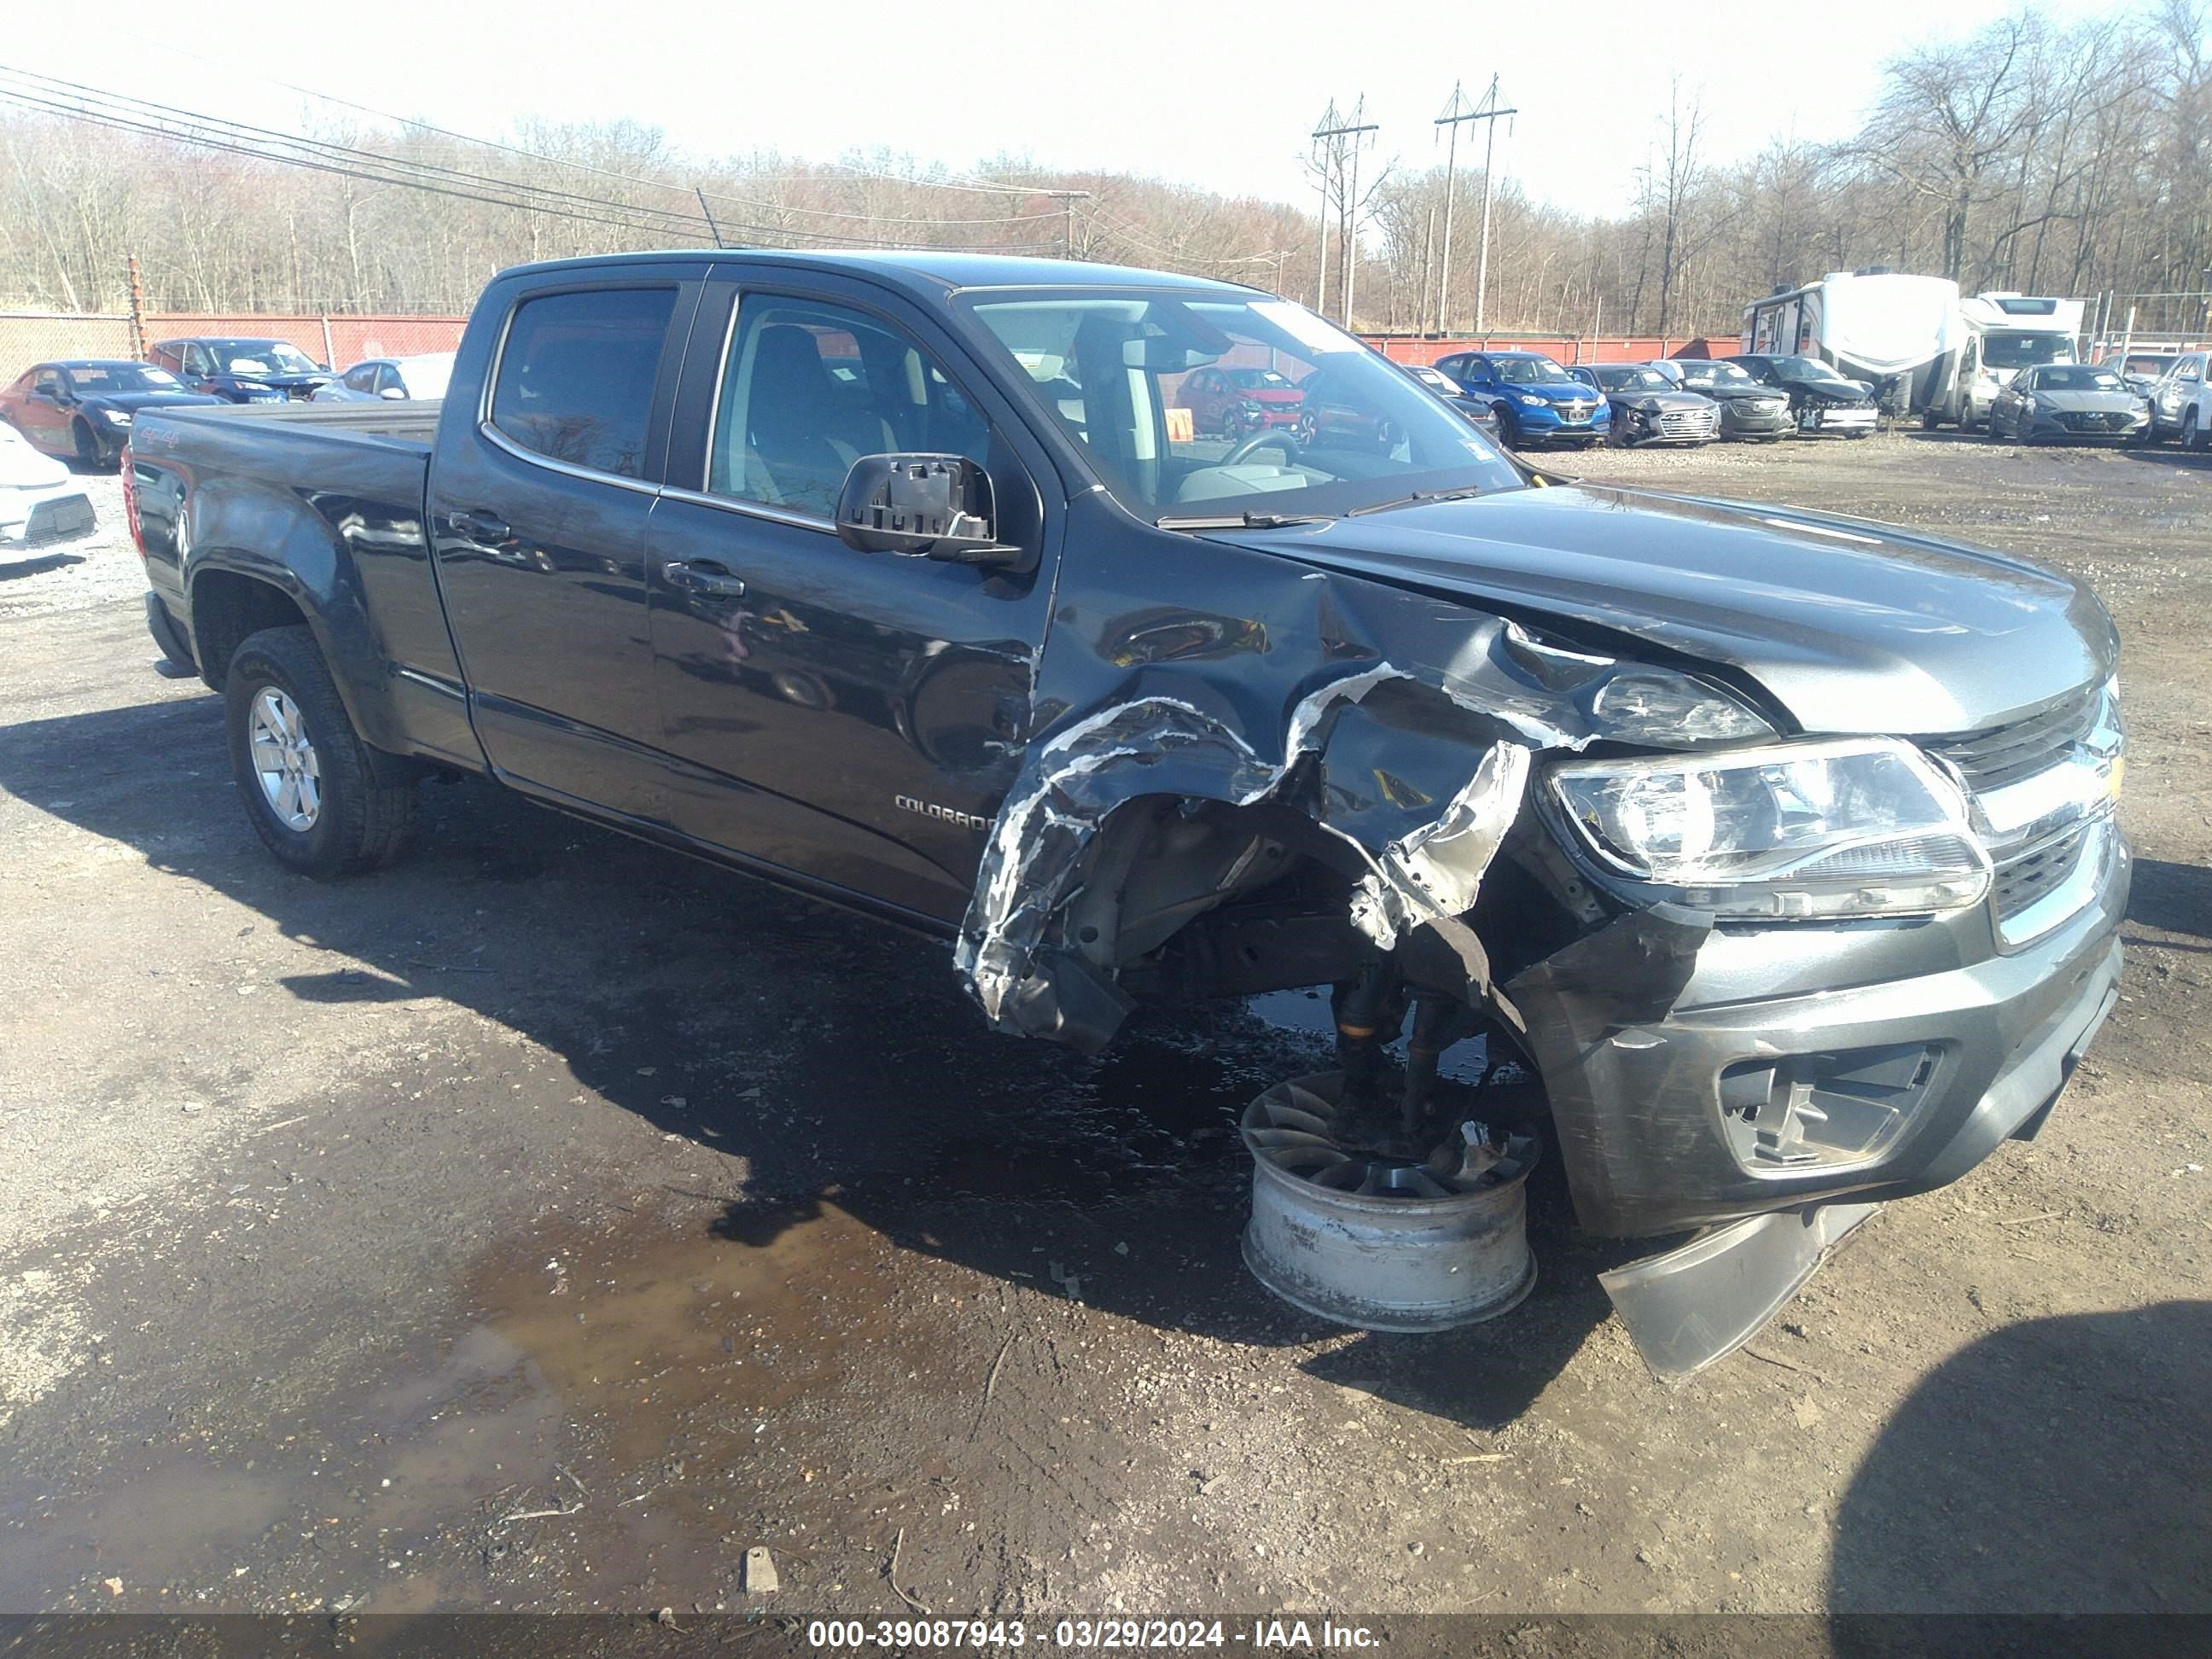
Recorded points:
(2192, 437)
(88, 445)
(322, 802)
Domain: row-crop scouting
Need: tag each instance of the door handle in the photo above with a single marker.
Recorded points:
(480, 526)
(704, 576)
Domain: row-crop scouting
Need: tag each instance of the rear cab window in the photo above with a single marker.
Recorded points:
(575, 376)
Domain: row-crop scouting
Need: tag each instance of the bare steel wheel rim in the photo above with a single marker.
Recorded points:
(284, 759)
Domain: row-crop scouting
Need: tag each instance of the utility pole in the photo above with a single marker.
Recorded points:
(1457, 112)
(1067, 199)
(1333, 129)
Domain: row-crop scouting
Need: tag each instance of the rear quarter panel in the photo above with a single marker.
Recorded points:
(307, 500)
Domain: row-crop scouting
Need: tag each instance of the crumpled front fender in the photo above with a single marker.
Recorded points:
(1410, 748)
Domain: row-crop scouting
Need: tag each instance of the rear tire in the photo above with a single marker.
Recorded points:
(322, 802)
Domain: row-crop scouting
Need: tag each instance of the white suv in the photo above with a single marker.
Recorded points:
(2181, 401)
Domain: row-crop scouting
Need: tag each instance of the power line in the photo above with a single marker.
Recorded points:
(78, 101)
(662, 184)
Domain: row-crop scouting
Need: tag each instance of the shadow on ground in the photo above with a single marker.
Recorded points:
(36, 564)
(2037, 1449)
(838, 1057)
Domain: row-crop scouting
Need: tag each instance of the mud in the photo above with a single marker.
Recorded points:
(545, 1223)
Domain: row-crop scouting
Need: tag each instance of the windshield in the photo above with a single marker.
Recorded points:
(1805, 369)
(2153, 366)
(426, 377)
(1724, 377)
(1626, 377)
(1529, 371)
(1109, 366)
(93, 379)
(260, 357)
(2069, 379)
(2025, 351)
(1258, 379)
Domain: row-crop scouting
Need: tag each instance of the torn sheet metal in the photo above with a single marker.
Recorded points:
(1422, 768)
(1435, 872)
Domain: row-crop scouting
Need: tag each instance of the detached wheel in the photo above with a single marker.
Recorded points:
(321, 799)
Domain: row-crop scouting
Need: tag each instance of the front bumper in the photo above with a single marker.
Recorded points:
(2048, 428)
(1777, 1067)
(1838, 417)
(42, 516)
(1737, 422)
(1649, 1110)
(1546, 424)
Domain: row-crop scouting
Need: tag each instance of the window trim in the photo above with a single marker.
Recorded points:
(674, 285)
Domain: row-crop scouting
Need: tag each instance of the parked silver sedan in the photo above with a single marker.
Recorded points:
(2069, 403)
(399, 379)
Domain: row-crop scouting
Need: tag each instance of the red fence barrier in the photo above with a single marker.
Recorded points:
(1566, 348)
(28, 338)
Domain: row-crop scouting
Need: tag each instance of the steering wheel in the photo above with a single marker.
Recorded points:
(1243, 449)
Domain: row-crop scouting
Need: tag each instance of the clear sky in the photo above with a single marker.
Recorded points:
(1216, 95)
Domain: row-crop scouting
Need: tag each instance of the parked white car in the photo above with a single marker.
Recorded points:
(2181, 401)
(40, 500)
(399, 379)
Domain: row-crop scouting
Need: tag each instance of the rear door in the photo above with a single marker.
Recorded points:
(851, 718)
(539, 508)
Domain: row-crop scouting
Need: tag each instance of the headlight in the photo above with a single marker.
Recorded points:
(1858, 828)
(115, 417)
(1529, 398)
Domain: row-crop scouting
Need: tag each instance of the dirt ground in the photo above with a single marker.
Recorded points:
(548, 1221)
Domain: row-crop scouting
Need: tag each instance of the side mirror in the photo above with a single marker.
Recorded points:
(937, 507)
(392, 391)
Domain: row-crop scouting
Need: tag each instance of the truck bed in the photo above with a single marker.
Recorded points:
(413, 424)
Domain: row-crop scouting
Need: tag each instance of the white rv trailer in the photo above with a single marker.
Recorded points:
(2005, 333)
(1899, 334)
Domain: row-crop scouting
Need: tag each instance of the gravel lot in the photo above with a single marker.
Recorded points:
(545, 1222)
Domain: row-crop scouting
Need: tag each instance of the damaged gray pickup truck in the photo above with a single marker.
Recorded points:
(1781, 846)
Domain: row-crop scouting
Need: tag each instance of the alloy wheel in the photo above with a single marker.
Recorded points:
(284, 759)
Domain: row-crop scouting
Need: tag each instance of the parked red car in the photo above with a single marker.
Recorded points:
(1234, 401)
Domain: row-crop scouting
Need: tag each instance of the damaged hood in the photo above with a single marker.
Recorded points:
(1854, 627)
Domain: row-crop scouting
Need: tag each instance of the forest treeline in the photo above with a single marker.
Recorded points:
(2049, 157)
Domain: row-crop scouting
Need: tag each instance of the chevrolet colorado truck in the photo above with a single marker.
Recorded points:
(1782, 845)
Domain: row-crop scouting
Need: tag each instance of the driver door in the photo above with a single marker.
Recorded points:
(853, 719)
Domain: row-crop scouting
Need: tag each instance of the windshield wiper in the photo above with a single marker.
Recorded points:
(1459, 494)
(1242, 520)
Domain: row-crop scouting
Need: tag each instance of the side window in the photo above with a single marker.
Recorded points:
(808, 389)
(361, 377)
(196, 360)
(576, 375)
(49, 381)
(2193, 369)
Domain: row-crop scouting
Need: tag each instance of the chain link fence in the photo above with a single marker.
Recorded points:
(36, 336)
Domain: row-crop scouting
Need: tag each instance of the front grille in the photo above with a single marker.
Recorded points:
(1578, 411)
(1999, 755)
(2094, 420)
(1689, 422)
(2019, 882)
(72, 515)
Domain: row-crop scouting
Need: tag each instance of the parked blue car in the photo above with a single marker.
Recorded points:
(1537, 403)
